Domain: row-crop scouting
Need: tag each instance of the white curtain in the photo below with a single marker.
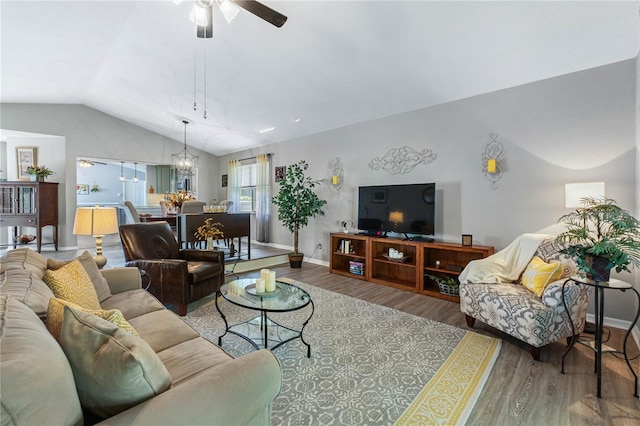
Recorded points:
(263, 197)
(233, 181)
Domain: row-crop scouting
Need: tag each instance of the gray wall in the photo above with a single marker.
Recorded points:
(575, 128)
(92, 133)
(578, 127)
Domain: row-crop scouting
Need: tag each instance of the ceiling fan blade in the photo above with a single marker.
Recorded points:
(206, 31)
(262, 11)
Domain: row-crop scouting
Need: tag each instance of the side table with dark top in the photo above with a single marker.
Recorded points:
(262, 331)
(596, 345)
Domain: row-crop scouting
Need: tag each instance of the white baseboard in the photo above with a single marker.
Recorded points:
(621, 324)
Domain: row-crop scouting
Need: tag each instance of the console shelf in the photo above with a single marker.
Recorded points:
(366, 258)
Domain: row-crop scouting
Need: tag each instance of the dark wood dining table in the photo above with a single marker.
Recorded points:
(170, 219)
(234, 225)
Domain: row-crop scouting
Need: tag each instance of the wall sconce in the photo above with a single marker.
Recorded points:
(96, 221)
(574, 193)
(338, 174)
(492, 159)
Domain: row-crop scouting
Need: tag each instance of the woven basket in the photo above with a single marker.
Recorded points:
(449, 290)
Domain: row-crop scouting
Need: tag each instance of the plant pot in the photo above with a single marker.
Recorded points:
(295, 260)
(599, 265)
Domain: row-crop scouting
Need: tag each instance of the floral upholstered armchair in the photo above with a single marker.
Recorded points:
(519, 292)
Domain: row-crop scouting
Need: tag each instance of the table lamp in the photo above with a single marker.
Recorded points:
(96, 221)
(574, 193)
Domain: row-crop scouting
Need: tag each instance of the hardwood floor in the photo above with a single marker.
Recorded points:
(520, 391)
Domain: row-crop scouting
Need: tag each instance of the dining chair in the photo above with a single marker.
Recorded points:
(192, 207)
(132, 211)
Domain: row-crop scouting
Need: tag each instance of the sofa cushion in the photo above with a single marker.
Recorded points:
(540, 274)
(189, 358)
(55, 316)
(28, 287)
(24, 258)
(113, 370)
(99, 283)
(72, 283)
(133, 303)
(154, 325)
(37, 385)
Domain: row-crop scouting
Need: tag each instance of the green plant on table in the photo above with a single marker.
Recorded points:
(40, 171)
(601, 229)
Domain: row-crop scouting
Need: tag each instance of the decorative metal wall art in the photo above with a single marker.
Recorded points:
(492, 159)
(338, 174)
(400, 161)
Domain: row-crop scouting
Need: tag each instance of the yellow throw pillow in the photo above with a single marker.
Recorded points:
(72, 283)
(540, 274)
(55, 315)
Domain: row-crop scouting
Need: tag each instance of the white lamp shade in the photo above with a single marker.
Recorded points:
(95, 221)
(575, 192)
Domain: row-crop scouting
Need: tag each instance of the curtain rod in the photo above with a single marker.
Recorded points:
(269, 154)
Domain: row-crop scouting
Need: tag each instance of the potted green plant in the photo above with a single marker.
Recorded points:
(297, 203)
(446, 284)
(602, 236)
(39, 173)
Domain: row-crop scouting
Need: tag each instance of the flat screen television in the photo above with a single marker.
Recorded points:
(404, 209)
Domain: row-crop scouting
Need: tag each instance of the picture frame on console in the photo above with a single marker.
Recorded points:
(26, 156)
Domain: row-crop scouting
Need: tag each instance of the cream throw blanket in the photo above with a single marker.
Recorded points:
(506, 265)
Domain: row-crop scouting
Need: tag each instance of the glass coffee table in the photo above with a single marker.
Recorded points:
(261, 331)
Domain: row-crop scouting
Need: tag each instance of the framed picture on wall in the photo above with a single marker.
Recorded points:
(280, 171)
(225, 181)
(379, 196)
(25, 158)
(82, 189)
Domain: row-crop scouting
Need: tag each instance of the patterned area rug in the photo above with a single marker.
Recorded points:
(369, 364)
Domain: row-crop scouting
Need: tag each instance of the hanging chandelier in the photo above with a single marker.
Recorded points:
(184, 162)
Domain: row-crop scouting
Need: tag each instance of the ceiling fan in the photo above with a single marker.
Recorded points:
(89, 163)
(202, 14)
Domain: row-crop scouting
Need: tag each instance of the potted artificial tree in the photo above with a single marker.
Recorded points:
(297, 203)
(602, 236)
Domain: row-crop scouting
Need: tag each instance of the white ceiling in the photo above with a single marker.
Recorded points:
(331, 65)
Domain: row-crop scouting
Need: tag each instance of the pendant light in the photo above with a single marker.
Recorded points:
(135, 172)
(122, 171)
(184, 162)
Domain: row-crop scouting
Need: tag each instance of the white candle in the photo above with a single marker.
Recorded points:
(260, 285)
(264, 273)
(270, 284)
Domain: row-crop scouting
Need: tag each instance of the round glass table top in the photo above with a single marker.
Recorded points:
(287, 297)
(612, 283)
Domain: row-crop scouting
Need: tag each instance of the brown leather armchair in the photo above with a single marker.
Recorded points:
(178, 276)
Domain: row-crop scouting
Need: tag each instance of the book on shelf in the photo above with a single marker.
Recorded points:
(345, 246)
(356, 268)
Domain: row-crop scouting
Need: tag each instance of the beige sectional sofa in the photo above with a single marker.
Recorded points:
(99, 373)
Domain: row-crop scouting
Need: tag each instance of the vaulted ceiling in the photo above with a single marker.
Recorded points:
(334, 63)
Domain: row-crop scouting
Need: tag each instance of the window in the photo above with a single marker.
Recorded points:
(247, 187)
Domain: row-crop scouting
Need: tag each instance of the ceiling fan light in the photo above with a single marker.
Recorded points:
(228, 9)
(198, 16)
